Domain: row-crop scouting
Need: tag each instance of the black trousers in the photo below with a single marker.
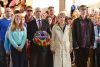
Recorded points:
(98, 59)
(92, 57)
(97, 53)
(81, 57)
(50, 59)
(3, 58)
(19, 59)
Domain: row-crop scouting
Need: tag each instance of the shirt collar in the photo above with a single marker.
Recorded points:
(8, 18)
(84, 18)
(37, 19)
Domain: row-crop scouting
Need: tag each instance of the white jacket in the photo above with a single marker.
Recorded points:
(61, 46)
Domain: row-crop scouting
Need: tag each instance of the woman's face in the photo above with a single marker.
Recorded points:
(17, 19)
(69, 21)
(50, 20)
(61, 19)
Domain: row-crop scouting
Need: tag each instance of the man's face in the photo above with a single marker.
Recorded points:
(29, 11)
(83, 11)
(51, 11)
(38, 12)
(8, 12)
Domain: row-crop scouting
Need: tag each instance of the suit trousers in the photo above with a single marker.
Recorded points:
(81, 57)
(40, 57)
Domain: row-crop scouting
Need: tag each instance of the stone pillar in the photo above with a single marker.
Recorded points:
(29, 2)
(62, 5)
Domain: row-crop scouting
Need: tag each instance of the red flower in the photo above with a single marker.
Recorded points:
(47, 39)
(42, 38)
(44, 43)
(37, 40)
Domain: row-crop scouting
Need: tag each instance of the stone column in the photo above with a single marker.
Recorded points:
(29, 2)
(62, 5)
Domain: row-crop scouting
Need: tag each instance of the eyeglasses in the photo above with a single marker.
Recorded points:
(29, 10)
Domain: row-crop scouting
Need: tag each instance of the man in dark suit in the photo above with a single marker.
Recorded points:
(83, 37)
(38, 54)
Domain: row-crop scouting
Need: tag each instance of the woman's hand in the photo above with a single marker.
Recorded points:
(19, 49)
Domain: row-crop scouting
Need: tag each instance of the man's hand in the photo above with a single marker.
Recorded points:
(53, 52)
(98, 40)
(91, 47)
(76, 47)
(7, 53)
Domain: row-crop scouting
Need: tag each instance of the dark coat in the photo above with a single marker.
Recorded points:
(77, 35)
(39, 55)
(31, 30)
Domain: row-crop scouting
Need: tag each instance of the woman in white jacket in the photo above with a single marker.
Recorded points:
(61, 42)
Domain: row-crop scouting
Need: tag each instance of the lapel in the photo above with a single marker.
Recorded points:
(60, 33)
(42, 22)
(35, 24)
(59, 29)
(44, 26)
(62, 30)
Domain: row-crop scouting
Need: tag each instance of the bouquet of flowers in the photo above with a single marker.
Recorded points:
(41, 38)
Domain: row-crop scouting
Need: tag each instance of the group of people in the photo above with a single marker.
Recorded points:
(67, 35)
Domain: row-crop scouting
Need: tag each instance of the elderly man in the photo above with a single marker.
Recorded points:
(38, 54)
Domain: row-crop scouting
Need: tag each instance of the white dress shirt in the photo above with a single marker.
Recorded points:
(37, 21)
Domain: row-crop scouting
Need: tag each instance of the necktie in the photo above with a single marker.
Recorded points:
(39, 24)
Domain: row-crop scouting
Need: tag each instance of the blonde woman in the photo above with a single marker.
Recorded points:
(17, 37)
(61, 42)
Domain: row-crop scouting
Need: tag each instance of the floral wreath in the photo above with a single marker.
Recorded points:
(41, 38)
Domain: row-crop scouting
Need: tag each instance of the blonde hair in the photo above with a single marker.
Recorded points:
(13, 26)
(98, 17)
(76, 14)
(62, 13)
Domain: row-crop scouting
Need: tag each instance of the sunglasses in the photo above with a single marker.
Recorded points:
(29, 10)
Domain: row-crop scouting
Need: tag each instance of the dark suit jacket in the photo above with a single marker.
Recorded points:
(31, 30)
(77, 35)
